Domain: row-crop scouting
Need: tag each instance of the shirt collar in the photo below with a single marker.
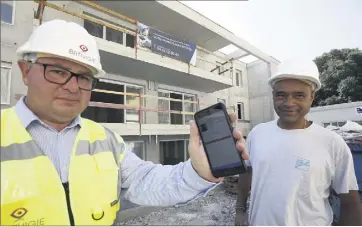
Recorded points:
(26, 116)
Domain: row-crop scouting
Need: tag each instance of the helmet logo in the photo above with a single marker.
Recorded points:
(83, 48)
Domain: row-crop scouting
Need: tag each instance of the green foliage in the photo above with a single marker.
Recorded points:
(341, 77)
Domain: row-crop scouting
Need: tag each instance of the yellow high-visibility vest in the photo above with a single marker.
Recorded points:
(31, 190)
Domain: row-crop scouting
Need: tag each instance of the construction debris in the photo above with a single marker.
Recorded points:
(216, 208)
(231, 184)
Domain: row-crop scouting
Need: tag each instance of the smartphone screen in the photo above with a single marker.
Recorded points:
(218, 141)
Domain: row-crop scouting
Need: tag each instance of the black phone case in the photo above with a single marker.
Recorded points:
(225, 172)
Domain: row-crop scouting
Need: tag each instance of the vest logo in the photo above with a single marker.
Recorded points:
(19, 213)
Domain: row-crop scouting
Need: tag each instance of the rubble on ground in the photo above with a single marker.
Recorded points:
(216, 208)
(231, 184)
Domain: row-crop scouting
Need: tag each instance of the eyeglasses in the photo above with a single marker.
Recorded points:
(58, 75)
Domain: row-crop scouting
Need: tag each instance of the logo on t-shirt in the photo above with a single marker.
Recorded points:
(302, 164)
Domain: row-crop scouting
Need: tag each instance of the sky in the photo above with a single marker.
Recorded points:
(288, 28)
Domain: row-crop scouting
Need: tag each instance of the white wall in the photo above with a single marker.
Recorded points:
(335, 113)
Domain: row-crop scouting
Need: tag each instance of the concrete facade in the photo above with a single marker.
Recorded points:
(153, 73)
(12, 36)
(336, 115)
(260, 97)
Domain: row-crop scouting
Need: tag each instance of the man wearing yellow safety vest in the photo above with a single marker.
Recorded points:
(60, 169)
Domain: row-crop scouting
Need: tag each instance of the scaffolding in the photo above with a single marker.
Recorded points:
(140, 108)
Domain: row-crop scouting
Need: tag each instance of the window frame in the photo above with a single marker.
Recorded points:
(12, 15)
(8, 66)
(243, 111)
(125, 102)
(125, 97)
(104, 29)
(183, 105)
(183, 99)
(239, 78)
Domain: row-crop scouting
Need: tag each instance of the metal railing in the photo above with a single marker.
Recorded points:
(140, 107)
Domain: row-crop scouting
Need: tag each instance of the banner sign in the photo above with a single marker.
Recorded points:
(166, 45)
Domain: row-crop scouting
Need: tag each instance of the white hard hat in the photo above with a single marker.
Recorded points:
(66, 40)
(297, 68)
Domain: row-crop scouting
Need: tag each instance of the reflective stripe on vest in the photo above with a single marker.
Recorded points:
(31, 190)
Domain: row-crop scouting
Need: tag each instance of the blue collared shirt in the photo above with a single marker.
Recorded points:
(56, 145)
(146, 183)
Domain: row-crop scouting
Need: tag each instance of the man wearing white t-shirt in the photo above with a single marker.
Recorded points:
(294, 163)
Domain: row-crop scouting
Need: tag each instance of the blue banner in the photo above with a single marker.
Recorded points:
(166, 45)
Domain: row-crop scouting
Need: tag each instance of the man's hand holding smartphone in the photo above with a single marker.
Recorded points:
(197, 154)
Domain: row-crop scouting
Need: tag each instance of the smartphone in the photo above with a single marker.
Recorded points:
(216, 134)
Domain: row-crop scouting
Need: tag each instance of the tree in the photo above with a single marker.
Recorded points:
(341, 77)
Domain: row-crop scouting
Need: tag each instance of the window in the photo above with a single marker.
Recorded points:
(133, 101)
(176, 105)
(137, 147)
(174, 152)
(114, 35)
(189, 107)
(163, 117)
(239, 78)
(130, 40)
(107, 33)
(93, 28)
(112, 115)
(178, 102)
(7, 12)
(5, 83)
(241, 115)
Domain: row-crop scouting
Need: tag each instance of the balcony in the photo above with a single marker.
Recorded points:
(123, 52)
(120, 60)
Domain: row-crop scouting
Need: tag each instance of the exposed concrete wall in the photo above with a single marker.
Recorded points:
(12, 37)
(260, 98)
(335, 113)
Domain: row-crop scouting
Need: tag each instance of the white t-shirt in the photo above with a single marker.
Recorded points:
(293, 171)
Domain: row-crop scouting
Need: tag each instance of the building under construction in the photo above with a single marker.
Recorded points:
(164, 61)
